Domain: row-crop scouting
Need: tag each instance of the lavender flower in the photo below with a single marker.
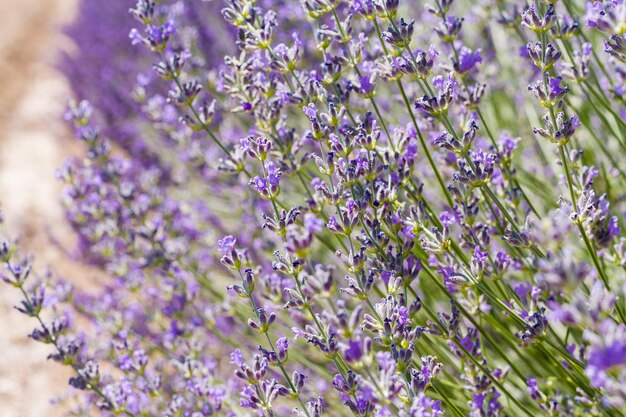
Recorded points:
(342, 207)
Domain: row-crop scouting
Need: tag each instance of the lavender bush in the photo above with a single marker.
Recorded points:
(343, 208)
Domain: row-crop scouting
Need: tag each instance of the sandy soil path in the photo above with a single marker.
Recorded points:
(31, 147)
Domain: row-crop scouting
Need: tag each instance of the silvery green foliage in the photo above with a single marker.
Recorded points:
(364, 208)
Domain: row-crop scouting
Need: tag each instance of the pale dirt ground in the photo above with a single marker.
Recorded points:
(33, 142)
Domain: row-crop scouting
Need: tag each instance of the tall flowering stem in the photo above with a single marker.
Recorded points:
(337, 207)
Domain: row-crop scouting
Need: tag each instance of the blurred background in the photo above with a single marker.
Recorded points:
(33, 143)
(40, 41)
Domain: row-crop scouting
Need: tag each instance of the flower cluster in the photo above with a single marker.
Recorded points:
(363, 208)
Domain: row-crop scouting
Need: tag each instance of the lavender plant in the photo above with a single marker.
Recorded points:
(361, 208)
